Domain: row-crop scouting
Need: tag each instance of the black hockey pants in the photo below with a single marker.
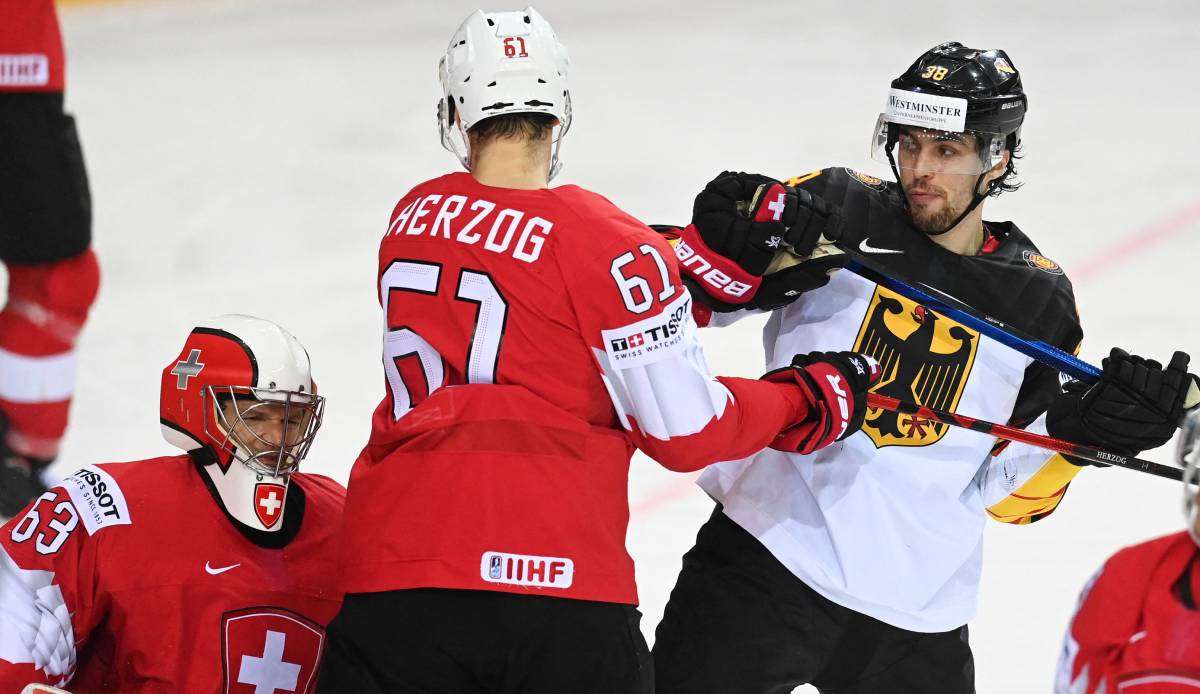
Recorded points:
(436, 641)
(739, 621)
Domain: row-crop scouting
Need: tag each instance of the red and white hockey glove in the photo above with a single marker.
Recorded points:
(741, 223)
(835, 385)
(726, 249)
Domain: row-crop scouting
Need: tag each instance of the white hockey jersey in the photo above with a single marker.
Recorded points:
(889, 522)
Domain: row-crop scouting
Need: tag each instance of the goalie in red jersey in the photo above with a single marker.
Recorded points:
(1137, 626)
(210, 571)
(533, 337)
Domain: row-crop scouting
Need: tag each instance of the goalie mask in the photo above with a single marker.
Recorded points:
(1187, 456)
(241, 390)
(500, 63)
(952, 99)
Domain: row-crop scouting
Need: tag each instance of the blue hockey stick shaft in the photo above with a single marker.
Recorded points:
(948, 306)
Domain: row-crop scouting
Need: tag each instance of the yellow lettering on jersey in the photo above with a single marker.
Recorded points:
(926, 359)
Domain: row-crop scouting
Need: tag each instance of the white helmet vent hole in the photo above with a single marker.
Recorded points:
(491, 84)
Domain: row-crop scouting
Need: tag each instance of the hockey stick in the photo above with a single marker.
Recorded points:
(1094, 455)
(953, 309)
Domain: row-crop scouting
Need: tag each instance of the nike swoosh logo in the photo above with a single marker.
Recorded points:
(214, 572)
(866, 247)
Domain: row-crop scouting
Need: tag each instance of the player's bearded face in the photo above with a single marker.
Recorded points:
(937, 171)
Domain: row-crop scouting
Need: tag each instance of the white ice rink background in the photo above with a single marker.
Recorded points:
(244, 156)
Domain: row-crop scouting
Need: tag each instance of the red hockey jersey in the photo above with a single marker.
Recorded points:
(532, 339)
(31, 50)
(129, 577)
(1134, 630)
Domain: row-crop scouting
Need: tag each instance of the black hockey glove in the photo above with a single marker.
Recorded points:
(791, 275)
(817, 222)
(1135, 406)
(743, 217)
(741, 224)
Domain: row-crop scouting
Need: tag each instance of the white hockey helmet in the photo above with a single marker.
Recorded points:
(252, 363)
(1187, 456)
(499, 63)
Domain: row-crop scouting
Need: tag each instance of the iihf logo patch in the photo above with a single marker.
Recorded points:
(527, 570)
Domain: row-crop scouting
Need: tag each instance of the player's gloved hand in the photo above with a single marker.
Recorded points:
(791, 275)
(816, 222)
(741, 223)
(738, 223)
(1135, 406)
(835, 385)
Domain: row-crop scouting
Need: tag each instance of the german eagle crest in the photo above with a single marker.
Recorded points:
(925, 358)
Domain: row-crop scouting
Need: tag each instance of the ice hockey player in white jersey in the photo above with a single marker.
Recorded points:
(857, 568)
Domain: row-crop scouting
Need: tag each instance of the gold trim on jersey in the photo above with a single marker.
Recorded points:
(926, 359)
(797, 180)
(1038, 496)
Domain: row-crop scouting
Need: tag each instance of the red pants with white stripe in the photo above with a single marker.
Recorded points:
(47, 306)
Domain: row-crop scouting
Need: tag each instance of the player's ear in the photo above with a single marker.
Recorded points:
(998, 170)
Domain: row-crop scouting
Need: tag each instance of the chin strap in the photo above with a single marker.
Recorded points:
(975, 200)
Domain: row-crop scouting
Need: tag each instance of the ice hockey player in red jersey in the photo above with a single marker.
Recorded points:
(45, 245)
(534, 337)
(1136, 629)
(210, 571)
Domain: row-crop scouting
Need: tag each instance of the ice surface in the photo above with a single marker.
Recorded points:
(245, 156)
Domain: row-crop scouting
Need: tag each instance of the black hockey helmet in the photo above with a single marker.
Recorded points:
(986, 79)
(954, 89)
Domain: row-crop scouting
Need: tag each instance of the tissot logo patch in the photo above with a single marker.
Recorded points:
(1038, 261)
(650, 339)
(527, 570)
(97, 497)
(926, 359)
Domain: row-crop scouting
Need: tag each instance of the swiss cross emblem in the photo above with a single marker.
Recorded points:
(636, 340)
(186, 369)
(777, 207)
(268, 650)
(268, 502)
